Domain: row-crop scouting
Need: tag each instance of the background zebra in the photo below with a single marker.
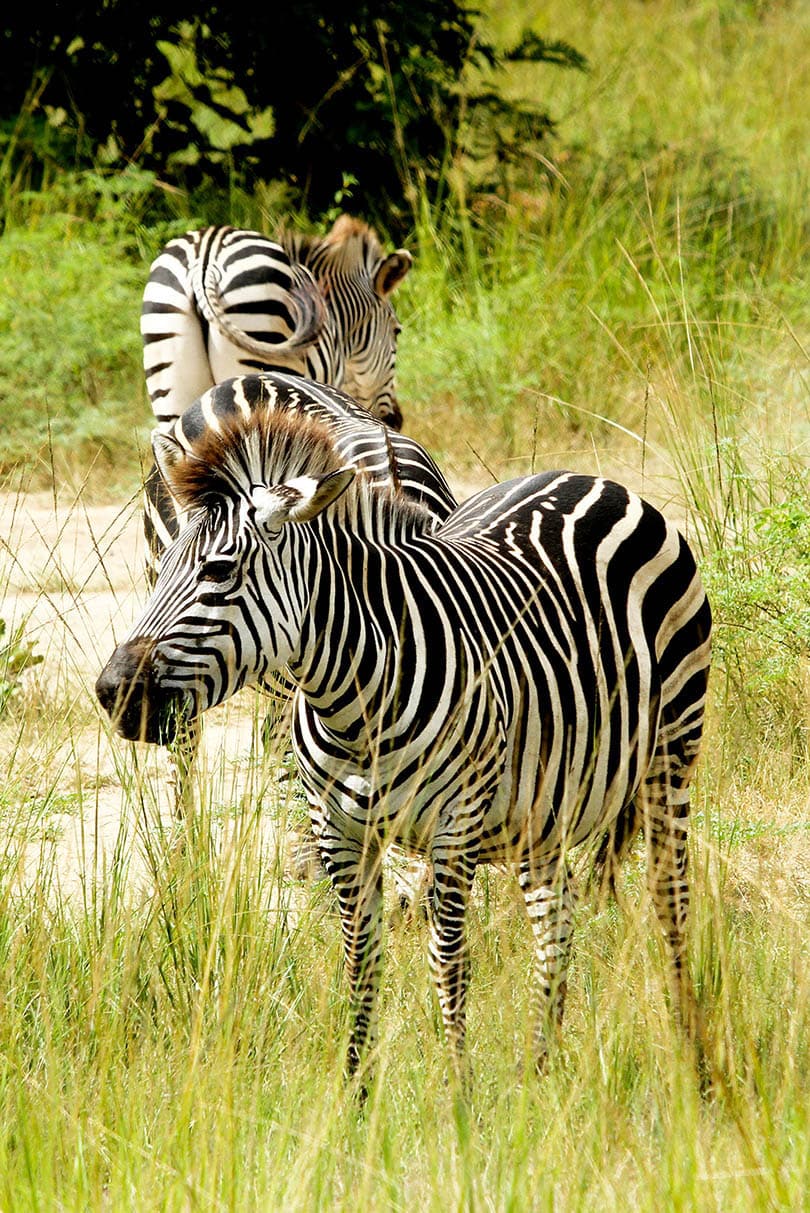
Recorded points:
(389, 459)
(221, 301)
(526, 677)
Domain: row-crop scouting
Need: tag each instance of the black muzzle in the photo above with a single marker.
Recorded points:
(128, 690)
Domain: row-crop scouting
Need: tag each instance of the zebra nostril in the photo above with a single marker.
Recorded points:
(127, 691)
(107, 689)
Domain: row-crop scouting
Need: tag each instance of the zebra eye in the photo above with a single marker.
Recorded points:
(216, 568)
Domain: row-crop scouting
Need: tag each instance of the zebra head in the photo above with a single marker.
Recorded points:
(357, 280)
(226, 608)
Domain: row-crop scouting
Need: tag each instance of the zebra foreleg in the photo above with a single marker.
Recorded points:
(454, 864)
(356, 875)
(549, 901)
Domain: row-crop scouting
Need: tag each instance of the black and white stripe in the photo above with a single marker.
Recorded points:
(222, 302)
(389, 459)
(527, 677)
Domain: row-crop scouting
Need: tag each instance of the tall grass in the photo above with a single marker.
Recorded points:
(177, 1038)
(173, 1011)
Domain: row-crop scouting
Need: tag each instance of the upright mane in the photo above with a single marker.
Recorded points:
(264, 447)
(351, 245)
(268, 447)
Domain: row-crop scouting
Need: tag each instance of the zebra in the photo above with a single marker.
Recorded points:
(389, 459)
(526, 678)
(221, 302)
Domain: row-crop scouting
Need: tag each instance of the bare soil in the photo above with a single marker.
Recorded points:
(72, 576)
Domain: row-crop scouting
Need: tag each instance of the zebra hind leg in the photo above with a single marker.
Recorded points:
(549, 901)
(665, 827)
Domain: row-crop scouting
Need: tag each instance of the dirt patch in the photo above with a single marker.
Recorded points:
(72, 576)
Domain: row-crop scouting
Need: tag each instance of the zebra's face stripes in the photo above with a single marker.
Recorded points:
(369, 374)
(224, 612)
(357, 281)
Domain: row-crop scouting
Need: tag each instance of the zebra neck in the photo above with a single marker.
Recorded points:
(324, 362)
(362, 640)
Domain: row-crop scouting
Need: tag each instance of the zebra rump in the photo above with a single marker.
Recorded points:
(526, 677)
(222, 302)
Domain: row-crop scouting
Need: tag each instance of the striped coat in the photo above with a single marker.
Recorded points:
(525, 678)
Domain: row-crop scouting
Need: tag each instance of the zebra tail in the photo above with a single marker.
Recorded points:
(305, 297)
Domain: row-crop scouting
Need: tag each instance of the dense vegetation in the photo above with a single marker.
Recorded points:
(629, 296)
(304, 98)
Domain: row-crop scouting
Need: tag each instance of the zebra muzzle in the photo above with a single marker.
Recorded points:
(128, 690)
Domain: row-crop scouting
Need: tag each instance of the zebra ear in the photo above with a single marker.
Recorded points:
(391, 271)
(299, 500)
(169, 454)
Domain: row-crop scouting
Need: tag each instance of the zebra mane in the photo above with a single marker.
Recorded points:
(265, 447)
(269, 447)
(351, 245)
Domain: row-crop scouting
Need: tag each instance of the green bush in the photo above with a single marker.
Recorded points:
(69, 342)
(16, 656)
(759, 584)
(383, 100)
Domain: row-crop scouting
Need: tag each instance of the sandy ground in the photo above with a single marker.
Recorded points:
(72, 575)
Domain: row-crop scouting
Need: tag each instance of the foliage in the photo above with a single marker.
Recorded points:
(305, 95)
(220, 116)
(16, 657)
(759, 583)
(69, 343)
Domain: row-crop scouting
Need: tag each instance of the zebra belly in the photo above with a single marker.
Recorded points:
(402, 797)
(569, 774)
(532, 796)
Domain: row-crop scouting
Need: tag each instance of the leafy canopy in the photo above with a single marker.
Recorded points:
(385, 99)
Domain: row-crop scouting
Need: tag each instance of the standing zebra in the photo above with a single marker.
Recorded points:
(222, 302)
(524, 678)
(389, 459)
